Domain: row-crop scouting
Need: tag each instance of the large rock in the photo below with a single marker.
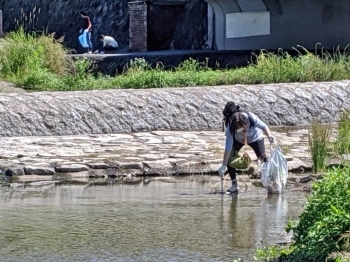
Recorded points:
(71, 168)
(43, 171)
(14, 171)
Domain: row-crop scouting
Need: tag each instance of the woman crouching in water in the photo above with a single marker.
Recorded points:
(240, 126)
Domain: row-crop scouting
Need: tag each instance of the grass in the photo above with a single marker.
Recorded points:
(319, 144)
(36, 61)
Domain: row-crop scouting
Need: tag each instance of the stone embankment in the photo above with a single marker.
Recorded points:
(192, 108)
(156, 153)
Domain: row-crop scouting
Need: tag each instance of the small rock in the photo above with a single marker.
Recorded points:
(83, 174)
(211, 161)
(153, 141)
(305, 179)
(42, 171)
(189, 136)
(334, 162)
(28, 178)
(14, 172)
(180, 155)
(317, 176)
(153, 156)
(159, 164)
(99, 165)
(289, 158)
(131, 165)
(172, 139)
(71, 168)
(299, 165)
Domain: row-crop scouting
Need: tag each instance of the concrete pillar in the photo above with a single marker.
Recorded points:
(219, 23)
(210, 40)
(138, 26)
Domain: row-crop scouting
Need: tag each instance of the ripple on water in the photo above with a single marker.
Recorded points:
(157, 222)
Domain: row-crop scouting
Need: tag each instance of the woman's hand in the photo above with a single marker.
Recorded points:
(222, 170)
(272, 139)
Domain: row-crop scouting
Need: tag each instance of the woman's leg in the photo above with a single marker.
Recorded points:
(236, 146)
(89, 41)
(259, 149)
(100, 47)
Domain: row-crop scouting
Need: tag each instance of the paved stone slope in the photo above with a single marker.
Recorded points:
(192, 108)
(138, 154)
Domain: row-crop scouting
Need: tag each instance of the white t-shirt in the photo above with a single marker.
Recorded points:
(108, 40)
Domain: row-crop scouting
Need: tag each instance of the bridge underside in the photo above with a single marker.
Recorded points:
(253, 24)
(273, 24)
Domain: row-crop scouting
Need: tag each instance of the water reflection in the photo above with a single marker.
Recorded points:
(157, 222)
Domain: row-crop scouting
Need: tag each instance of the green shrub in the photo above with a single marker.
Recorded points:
(319, 144)
(192, 65)
(271, 254)
(323, 227)
(323, 230)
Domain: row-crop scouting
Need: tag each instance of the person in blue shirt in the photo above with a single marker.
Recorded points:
(240, 125)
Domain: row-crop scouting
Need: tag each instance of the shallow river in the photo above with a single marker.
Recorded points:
(157, 221)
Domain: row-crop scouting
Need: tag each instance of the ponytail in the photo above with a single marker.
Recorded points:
(230, 109)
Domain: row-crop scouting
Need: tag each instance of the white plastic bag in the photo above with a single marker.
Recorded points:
(83, 39)
(274, 173)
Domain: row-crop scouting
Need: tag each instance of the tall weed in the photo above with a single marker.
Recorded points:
(343, 139)
(23, 55)
(319, 144)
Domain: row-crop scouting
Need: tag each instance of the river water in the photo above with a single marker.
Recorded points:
(155, 221)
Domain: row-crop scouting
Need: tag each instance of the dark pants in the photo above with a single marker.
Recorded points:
(259, 149)
(88, 36)
(107, 48)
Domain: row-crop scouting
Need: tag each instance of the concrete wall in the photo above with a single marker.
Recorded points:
(302, 22)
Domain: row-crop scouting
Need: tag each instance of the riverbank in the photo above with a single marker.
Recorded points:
(157, 153)
(41, 63)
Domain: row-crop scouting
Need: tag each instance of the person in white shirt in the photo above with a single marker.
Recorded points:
(109, 43)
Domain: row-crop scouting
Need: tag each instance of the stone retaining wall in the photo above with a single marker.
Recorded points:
(193, 108)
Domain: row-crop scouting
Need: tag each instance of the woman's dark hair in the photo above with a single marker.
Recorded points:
(82, 12)
(237, 121)
(229, 110)
(101, 37)
(233, 117)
